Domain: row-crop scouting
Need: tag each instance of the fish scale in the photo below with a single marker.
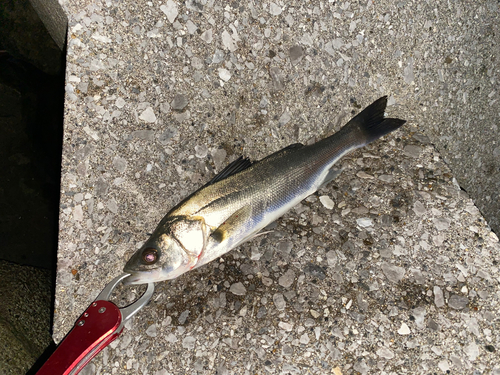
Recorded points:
(245, 197)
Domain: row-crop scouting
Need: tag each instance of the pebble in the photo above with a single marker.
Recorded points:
(151, 331)
(228, 42)
(171, 338)
(386, 353)
(197, 63)
(201, 151)
(112, 206)
(285, 326)
(183, 317)
(262, 312)
(267, 281)
(78, 213)
(218, 56)
(188, 342)
(191, 27)
(364, 222)
(471, 351)
(327, 202)
(148, 115)
(207, 35)
(275, 9)
(238, 289)
(438, 297)
(404, 329)
(224, 74)
(287, 350)
(442, 223)
(120, 164)
(412, 151)
(147, 135)
(179, 102)
(219, 156)
(389, 178)
(419, 208)
(287, 279)
(473, 326)
(170, 10)
(314, 270)
(317, 332)
(408, 73)
(165, 107)
(279, 301)
(126, 340)
(361, 366)
(364, 175)
(419, 315)
(432, 325)
(304, 339)
(392, 272)
(444, 365)
(296, 54)
(458, 302)
(120, 103)
(277, 78)
(331, 258)
(284, 118)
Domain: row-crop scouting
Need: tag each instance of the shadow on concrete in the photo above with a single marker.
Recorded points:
(31, 128)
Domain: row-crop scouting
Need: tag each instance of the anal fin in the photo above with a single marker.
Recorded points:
(332, 174)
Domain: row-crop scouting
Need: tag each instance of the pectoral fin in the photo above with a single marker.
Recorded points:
(233, 226)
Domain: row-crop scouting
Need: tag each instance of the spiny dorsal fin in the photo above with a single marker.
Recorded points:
(236, 166)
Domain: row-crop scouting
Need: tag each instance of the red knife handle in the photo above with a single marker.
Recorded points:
(93, 331)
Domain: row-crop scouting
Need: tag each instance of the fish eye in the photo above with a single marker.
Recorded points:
(150, 256)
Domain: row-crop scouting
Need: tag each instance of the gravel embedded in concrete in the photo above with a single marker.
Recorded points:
(393, 275)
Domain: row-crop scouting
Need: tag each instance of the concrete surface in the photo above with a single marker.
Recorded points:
(24, 316)
(399, 275)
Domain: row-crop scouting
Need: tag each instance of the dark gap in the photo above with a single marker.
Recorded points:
(31, 134)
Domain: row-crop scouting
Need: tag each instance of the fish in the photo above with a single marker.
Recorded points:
(246, 196)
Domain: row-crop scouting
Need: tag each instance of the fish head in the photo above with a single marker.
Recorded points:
(158, 260)
(173, 249)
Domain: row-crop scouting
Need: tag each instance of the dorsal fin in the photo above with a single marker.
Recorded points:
(282, 151)
(236, 166)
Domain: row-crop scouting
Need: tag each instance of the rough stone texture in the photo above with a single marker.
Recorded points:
(352, 53)
(24, 316)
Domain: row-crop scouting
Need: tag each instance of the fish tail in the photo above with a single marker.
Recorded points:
(370, 124)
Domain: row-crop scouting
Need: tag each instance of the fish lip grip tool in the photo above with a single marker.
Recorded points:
(99, 325)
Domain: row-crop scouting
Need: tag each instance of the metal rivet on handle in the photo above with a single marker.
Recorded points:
(102, 309)
(81, 323)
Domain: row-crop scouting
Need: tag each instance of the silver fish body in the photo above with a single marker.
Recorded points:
(245, 197)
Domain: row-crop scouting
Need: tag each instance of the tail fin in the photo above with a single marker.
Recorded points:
(371, 124)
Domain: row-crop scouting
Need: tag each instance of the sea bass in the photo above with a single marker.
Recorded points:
(245, 197)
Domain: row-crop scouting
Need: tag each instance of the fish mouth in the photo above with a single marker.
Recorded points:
(132, 280)
(141, 277)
